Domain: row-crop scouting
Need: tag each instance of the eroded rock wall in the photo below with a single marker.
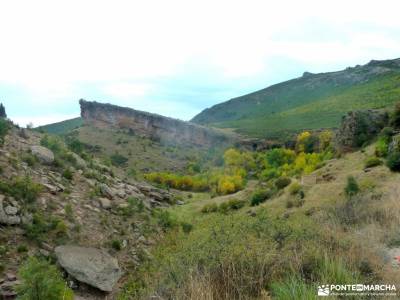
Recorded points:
(154, 126)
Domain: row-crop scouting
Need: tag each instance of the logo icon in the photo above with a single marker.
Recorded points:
(323, 290)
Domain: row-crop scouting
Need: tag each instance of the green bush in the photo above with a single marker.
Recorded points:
(165, 219)
(67, 174)
(22, 249)
(294, 188)
(293, 288)
(395, 116)
(232, 204)
(393, 161)
(372, 161)
(4, 127)
(282, 182)
(30, 159)
(42, 281)
(21, 188)
(381, 147)
(260, 196)
(116, 245)
(351, 188)
(118, 160)
(186, 227)
(208, 208)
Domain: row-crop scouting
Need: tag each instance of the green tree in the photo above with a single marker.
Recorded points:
(2, 111)
(42, 281)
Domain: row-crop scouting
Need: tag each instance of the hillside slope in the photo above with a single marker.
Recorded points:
(62, 127)
(312, 101)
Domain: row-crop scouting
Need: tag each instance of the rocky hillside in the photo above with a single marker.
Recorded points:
(55, 204)
(156, 127)
(312, 101)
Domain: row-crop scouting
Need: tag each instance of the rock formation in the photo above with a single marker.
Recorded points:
(89, 265)
(358, 127)
(156, 127)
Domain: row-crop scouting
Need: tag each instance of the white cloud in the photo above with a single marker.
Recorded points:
(126, 90)
(40, 120)
(51, 47)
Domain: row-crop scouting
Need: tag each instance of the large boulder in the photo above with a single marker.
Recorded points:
(358, 127)
(80, 162)
(8, 214)
(90, 265)
(44, 155)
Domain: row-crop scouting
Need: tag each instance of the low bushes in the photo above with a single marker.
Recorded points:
(393, 161)
(282, 182)
(260, 196)
(41, 280)
(224, 207)
(208, 208)
(21, 188)
(351, 188)
(372, 161)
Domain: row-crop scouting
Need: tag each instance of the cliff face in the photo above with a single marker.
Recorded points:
(359, 127)
(150, 125)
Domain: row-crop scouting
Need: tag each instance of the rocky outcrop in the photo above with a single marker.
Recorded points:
(154, 126)
(358, 127)
(45, 155)
(90, 265)
(8, 213)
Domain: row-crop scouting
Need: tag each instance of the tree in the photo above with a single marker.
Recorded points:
(2, 111)
(42, 281)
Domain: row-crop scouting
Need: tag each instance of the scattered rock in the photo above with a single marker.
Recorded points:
(105, 203)
(90, 265)
(5, 218)
(80, 162)
(44, 155)
(106, 191)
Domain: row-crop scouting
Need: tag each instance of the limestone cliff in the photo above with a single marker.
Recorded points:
(154, 126)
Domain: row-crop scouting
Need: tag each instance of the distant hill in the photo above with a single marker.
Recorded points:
(62, 127)
(312, 101)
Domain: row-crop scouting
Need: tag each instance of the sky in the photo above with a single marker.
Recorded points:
(176, 57)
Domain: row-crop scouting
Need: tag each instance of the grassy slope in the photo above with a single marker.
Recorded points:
(309, 102)
(62, 127)
(296, 247)
(143, 154)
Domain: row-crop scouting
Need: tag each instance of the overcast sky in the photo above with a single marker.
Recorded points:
(176, 57)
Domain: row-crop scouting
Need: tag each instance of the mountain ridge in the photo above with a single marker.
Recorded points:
(247, 114)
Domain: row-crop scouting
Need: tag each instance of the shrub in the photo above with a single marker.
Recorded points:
(381, 147)
(22, 249)
(118, 160)
(232, 204)
(293, 288)
(282, 182)
(165, 219)
(23, 188)
(260, 196)
(67, 174)
(208, 208)
(372, 161)
(294, 188)
(116, 245)
(393, 161)
(395, 116)
(186, 227)
(4, 127)
(30, 159)
(42, 281)
(351, 188)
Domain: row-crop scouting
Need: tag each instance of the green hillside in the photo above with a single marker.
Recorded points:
(62, 127)
(312, 101)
